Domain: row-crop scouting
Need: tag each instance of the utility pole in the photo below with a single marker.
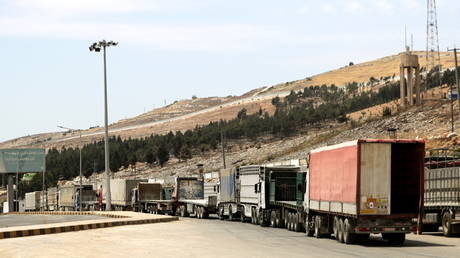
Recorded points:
(456, 74)
(97, 46)
(223, 146)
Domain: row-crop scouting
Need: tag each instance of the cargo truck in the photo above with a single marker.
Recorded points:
(262, 194)
(33, 201)
(191, 198)
(145, 196)
(364, 187)
(52, 199)
(121, 191)
(442, 191)
(68, 197)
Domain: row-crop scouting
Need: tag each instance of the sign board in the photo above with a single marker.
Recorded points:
(22, 160)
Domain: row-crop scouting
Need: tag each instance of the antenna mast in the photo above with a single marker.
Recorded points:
(433, 57)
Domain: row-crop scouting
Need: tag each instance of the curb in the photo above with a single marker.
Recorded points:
(86, 226)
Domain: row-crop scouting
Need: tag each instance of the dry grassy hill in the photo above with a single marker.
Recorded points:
(186, 114)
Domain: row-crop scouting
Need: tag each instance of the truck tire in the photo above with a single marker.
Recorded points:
(296, 226)
(447, 224)
(335, 228)
(318, 227)
(230, 213)
(279, 221)
(340, 231)
(348, 232)
(242, 216)
(289, 226)
(198, 213)
(273, 219)
(286, 219)
(221, 213)
(183, 211)
(395, 238)
(308, 229)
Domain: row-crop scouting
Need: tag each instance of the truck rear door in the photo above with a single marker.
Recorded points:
(375, 179)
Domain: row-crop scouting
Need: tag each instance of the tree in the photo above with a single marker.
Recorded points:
(162, 154)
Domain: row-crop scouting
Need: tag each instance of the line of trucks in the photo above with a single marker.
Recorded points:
(348, 190)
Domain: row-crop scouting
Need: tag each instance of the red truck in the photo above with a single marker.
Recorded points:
(364, 187)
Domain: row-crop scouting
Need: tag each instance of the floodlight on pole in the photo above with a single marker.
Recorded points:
(97, 46)
(81, 174)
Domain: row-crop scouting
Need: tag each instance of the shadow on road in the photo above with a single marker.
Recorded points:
(379, 242)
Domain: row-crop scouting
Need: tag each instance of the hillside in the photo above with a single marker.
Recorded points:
(186, 114)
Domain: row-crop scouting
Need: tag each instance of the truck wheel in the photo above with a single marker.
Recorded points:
(198, 212)
(335, 227)
(340, 231)
(318, 226)
(273, 219)
(286, 219)
(308, 229)
(447, 224)
(348, 232)
(183, 211)
(395, 238)
(278, 220)
(242, 216)
(230, 213)
(221, 213)
(296, 227)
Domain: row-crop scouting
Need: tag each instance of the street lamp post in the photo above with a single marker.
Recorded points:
(81, 174)
(97, 46)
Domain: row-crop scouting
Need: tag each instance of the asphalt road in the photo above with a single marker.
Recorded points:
(214, 238)
(23, 220)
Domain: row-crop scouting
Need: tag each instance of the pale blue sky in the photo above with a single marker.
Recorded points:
(173, 49)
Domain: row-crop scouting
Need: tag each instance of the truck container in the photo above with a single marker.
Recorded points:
(442, 191)
(191, 197)
(245, 192)
(33, 201)
(68, 197)
(121, 191)
(52, 199)
(361, 187)
(145, 194)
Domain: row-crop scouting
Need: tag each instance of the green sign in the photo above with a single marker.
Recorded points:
(22, 160)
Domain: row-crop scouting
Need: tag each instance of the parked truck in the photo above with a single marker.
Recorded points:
(32, 200)
(364, 187)
(69, 197)
(121, 192)
(145, 195)
(52, 199)
(442, 191)
(194, 197)
(259, 193)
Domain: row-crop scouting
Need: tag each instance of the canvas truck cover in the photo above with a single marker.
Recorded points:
(149, 191)
(189, 189)
(367, 177)
(32, 200)
(227, 185)
(66, 196)
(121, 190)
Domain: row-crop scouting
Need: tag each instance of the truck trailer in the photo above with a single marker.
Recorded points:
(194, 197)
(32, 201)
(121, 192)
(259, 193)
(442, 191)
(364, 187)
(69, 199)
